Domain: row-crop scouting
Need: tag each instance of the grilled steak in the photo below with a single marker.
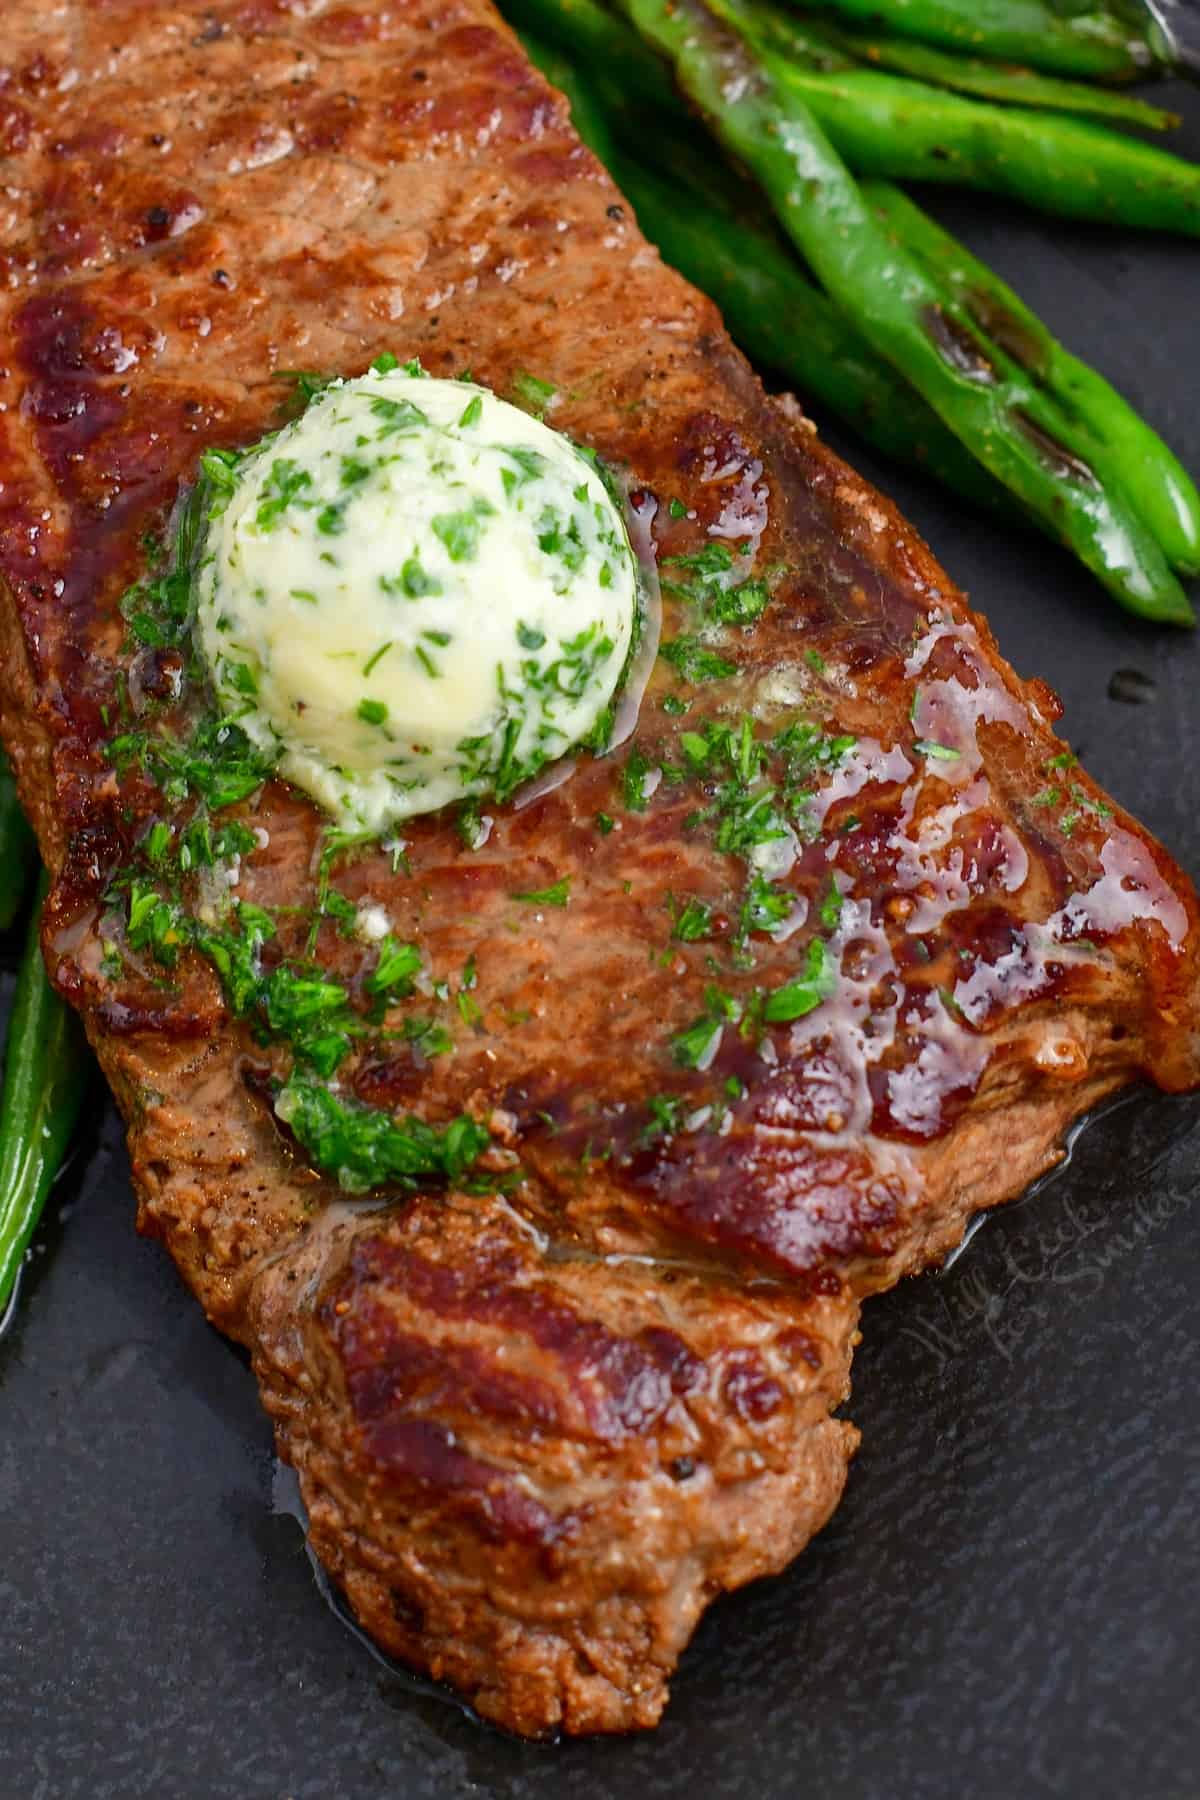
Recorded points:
(540, 1422)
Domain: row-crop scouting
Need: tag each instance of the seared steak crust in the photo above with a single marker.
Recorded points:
(536, 1431)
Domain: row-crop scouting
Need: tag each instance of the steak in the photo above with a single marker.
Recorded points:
(539, 1419)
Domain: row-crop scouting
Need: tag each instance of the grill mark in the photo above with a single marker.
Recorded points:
(620, 1385)
(391, 1371)
(774, 1196)
(427, 1455)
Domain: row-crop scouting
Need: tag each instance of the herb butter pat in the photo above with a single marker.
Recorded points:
(414, 594)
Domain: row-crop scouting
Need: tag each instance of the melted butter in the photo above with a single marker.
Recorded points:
(858, 1029)
(937, 873)
(948, 1058)
(948, 709)
(744, 515)
(868, 765)
(1129, 890)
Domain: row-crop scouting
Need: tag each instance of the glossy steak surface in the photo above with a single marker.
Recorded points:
(848, 942)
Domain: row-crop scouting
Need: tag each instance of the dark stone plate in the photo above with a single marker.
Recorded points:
(1004, 1604)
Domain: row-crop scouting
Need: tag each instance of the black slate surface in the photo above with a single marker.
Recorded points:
(1003, 1606)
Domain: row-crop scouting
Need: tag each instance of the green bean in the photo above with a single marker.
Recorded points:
(17, 852)
(904, 130)
(886, 125)
(1008, 83)
(909, 316)
(46, 1070)
(1120, 446)
(1096, 42)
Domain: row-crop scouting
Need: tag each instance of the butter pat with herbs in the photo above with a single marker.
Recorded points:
(415, 594)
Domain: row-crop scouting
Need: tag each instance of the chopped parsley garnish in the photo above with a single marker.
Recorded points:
(707, 587)
(830, 908)
(532, 395)
(739, 605)
(343, 912)
(747, 813)
(749, 820)
(936, 752)
(309, 383)
(397, 966)
(765, 906)
(156, 842)
(561, 538)
(666, 1117)
(427, 1036)
(397, 415)
(285, 484)
(696, 1047)
(633, 780)
(1082, 801)
(367, 1148)
(759, 793)
(692, 921)
(460, 531)
(694, 661)
(469, 824)
(413, 580)
(1082, 798)
(803, 995)
(312, 1014)
(557, 895)
(807, 750)
(950, 1003)
(469, 1010)
(233, 839)
(530, 465)
(218, 763)
(158, 609)
(714, 559)
(155, 924)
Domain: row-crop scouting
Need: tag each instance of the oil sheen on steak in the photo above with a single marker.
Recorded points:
(538, 1432)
